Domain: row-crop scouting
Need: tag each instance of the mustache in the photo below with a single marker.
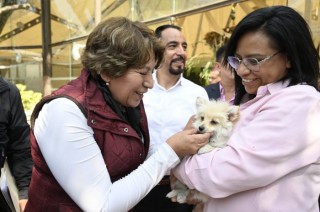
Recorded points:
(180, 58)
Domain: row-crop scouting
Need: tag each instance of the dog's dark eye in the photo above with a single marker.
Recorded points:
(213, 122)
(202, 118)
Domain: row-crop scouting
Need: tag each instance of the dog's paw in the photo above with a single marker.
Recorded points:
(172, 193)
(182, 196)
(206, 148)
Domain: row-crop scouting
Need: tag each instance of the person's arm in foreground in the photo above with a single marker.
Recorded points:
(18, 150)
(69, 148)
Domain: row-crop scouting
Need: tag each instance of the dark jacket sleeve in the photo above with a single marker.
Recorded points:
(18, 147)
(213, 91)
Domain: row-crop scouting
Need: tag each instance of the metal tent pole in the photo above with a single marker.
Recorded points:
(46, 46)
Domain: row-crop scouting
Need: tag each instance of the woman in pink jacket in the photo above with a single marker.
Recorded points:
(272, 160)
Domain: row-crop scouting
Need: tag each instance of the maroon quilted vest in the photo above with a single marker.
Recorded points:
(120, 145)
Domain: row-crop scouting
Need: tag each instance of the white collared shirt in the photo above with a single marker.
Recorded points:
(168, 110)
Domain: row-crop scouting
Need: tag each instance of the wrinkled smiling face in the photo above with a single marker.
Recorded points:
(128, 90)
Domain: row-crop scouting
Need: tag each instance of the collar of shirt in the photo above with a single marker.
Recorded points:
(266, 90)
(181, 81)
(272, 87)
(223, 96)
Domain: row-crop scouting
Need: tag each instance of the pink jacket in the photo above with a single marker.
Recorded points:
(272, 161)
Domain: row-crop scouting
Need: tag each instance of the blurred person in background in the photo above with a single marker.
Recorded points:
(224, 89)
(214, 75)
(15, 139)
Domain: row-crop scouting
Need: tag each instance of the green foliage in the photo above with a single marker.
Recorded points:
(198, 69)
(206, 72)
(29, 98)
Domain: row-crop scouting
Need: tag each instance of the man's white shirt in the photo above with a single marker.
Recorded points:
(168, 111)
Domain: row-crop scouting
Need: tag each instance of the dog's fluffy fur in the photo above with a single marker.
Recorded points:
(213, 116)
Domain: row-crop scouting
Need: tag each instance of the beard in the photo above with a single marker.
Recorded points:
(179, 70)
(176, 71)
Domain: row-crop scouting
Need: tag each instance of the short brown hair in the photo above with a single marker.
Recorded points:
(117, 44)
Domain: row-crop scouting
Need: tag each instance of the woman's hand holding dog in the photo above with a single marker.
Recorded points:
(188, 142)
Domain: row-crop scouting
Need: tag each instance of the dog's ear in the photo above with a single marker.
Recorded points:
(233, 113)
(200, 101)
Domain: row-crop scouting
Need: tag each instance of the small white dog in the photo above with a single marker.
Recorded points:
(213, 116)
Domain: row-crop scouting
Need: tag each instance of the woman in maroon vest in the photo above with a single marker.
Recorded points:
(90, 137)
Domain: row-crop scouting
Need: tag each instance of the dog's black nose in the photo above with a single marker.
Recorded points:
(201, 128)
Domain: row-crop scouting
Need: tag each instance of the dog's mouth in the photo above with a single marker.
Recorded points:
(202, 130)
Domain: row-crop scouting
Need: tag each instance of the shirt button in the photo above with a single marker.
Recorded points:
(126, 129)
(140, 155)
(93, 121)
